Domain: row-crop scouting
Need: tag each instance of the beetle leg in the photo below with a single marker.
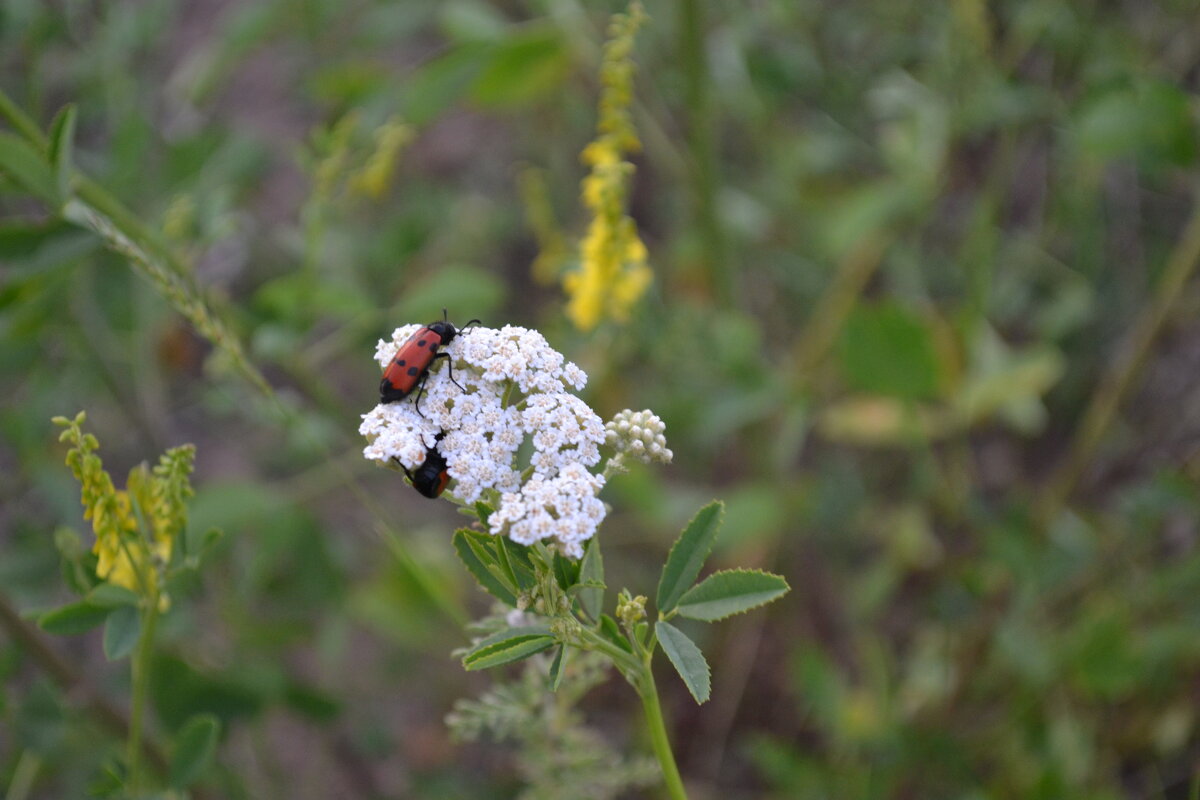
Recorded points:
(417, 403)
(407, 474)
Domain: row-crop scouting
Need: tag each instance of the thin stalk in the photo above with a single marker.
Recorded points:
(1102, 409)
(819, 334)
(703, 146)
(658, 735)
(141, 687)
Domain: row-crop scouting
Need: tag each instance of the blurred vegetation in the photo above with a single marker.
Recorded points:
(922, 313)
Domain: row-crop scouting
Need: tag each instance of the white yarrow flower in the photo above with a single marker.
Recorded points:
(514, 388)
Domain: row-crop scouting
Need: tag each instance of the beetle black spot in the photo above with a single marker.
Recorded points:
(421, 343)
(413, 370)
(400, 361)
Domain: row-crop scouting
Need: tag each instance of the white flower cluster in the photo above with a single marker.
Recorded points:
(564, 508)
(514, 385)
(640, 434)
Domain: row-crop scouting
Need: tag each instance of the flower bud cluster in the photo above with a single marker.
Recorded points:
(640, 434)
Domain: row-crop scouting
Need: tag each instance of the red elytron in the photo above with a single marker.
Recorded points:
(410, 366)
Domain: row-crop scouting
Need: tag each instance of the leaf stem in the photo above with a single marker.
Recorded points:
(658, 734)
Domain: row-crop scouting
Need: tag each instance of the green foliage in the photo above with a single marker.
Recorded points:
(557, 749)
(686, 658)
(688, 555)
(730, 592)
(899, 251)
(511, 644)
(194, 748)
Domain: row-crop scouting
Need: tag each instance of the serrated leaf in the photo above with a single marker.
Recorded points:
(28, 168)
(121, 632)
(556, 668)
(194, 749)
(62, 148)
(591, 576)
(73, 618)
(109, 595)
(686, 658)
(688, 555)
(507, 646)
(730, 592)
(472, 554)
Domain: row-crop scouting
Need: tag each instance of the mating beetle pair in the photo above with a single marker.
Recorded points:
(407, 370)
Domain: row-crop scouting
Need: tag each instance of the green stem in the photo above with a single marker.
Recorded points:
(658, 735)
(141, 687)
(703, 146)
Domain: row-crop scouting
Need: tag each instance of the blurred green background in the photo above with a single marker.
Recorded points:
(922, 314)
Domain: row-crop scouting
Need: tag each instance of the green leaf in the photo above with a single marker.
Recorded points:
(1151, 122)
(687, 555)
(515, 560)
(686, 658)
(730, 592)
(453, 286)
(889, 350)
(566, 571)
(28, 168)
(507, 646)
(439, 83)
(475, 557)
(62, 148)
(121, 632)
(109, 595)
(556, 668)
(194, 749)
(610, 630)
(73, 618)
(522, 69)
(591, 573)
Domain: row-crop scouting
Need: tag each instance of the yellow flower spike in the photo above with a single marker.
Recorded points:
(613, 273)
(129, 553)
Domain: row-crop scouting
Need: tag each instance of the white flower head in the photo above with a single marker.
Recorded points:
(508, 386)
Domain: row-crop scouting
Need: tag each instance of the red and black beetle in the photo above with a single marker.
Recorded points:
(431, 477)
(410, 366)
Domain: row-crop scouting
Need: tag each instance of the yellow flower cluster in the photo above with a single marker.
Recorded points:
(136, 528)
(613, 273)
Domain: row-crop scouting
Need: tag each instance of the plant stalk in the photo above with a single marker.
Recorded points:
(1130, 358)
(658, 735)
(140, 669)
(702, 143)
